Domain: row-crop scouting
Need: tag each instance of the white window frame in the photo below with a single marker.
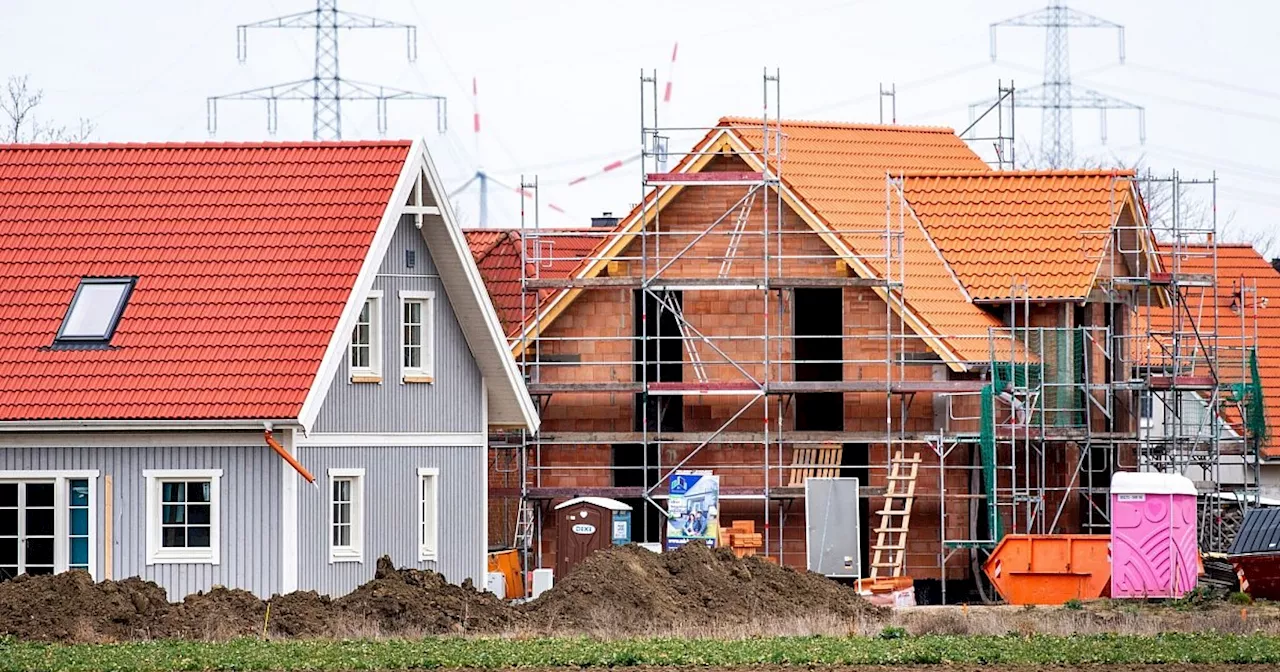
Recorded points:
(157, 554)
(428, 527)
(373, 372)
(61, 517)
(426, 372)
(354, 552)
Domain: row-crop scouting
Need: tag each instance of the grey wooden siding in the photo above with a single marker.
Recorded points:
(451, 403)
(249, 515)
(391, 513)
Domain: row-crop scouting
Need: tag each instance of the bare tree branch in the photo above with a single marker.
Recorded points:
(18, 123)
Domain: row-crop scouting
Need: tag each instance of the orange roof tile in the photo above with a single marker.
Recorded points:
(1045, 228)
(1237, 266)
(244, 254)
(839, 172)
(558, 253)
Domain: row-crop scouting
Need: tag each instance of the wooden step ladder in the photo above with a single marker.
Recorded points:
(890, 550)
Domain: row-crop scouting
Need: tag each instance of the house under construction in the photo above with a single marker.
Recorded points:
(982, 349)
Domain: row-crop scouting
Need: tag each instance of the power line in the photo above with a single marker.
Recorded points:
(326, 89)
(1056, 96)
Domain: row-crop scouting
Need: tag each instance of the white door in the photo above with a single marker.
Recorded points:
(27, 528)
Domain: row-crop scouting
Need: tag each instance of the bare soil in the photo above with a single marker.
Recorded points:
(70, 607)
(627, 590)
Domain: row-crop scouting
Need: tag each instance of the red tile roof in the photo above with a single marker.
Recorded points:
(1045, 228)
(838, 171)
(1256, 325)
(554, 253)
(245, 255)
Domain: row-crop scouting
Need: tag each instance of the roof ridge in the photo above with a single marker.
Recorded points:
(205, 145)
(1066, 172)
(508, 234)
(849, 125)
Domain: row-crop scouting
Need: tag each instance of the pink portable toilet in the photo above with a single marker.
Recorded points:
(1153, 535)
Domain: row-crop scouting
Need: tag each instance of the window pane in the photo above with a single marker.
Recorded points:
(39, 494)
(342, 535)
(341, 513)
(360, 356)
(173, 537)
(79, 522)
(8, 551)
(198, 514)
(8, 522)
(364, 312)
(173, 514)
(342, 490)
(79, 551)
(198, 537)
(79, 492)
(39, 521)
(8, 494)
(173, 492)
(198, 491)
(92, 309)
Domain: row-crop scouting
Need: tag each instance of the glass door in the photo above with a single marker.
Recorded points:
(27, 529)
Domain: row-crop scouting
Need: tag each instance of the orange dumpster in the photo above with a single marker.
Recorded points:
(508, 562)
(1050, 568)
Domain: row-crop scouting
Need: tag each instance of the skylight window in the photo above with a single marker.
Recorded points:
(95, 310)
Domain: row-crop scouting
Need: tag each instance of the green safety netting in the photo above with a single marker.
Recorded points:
(987, 444)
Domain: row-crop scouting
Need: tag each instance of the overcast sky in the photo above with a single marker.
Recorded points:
(559, 80)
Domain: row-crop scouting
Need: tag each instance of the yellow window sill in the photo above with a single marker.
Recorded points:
(418, 379)
(366, 379)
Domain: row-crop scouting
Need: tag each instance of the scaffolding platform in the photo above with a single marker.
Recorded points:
(710, 178)
(1187, 383)
(694, 438)
(736, 283)
(616, 492)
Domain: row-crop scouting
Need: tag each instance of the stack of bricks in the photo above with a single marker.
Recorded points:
(742, 538)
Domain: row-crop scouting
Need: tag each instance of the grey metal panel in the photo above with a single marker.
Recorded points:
(1260, 533)
(831, 526)
(391, 513)
(451, 403)
(249, 514)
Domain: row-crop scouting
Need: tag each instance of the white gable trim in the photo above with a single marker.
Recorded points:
(503, 380)
(364, 283)
(488, 345)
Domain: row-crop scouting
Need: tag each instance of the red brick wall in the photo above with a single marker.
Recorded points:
(604, 317)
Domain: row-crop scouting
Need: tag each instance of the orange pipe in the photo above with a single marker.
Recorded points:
(275, 445)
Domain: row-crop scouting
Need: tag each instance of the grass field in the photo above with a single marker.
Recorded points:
(892, 648)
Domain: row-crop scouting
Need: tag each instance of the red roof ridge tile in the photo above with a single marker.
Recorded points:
(280, 144)
(846, 125)
(997, 174)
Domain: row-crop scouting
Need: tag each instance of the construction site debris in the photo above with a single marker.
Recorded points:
(627, 589)
(620, 590)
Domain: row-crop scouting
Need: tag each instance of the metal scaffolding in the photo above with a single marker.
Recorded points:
(708, 371)
(736, 376)
(1147, 375)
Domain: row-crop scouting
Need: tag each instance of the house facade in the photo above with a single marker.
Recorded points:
(772, 318)
(261, 366)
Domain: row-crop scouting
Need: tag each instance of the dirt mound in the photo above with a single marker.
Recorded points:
(71, 607)
(221, 613)
(413, 601)
(305, 614)
(634, 590)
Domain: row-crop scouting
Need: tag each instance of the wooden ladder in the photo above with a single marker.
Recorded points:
(890, 549)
